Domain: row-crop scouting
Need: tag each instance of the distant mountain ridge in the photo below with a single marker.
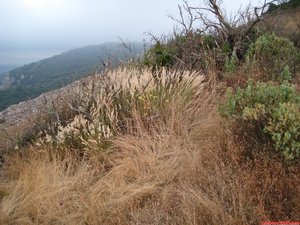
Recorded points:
(31, 80)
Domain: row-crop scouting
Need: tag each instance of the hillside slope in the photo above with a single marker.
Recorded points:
(160, 145)
(145, 152)
(17, 120)
(31, 80)
(284, 23)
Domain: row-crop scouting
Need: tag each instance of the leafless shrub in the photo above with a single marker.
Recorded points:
(205, 37)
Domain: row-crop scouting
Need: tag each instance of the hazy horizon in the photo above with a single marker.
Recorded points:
(36, 29)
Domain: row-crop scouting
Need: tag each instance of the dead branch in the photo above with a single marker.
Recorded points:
(210, 18)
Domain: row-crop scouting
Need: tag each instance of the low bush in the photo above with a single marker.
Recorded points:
(272, 56)
(231, 65)
(284, 129)
(159, 55)
(272, 111)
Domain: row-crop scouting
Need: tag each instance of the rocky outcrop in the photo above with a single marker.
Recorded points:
(6, 82)
(16, 114)
(16, 119)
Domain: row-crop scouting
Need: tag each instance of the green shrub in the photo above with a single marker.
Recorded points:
(231, 64)
(209, 41)
(271, 55)
(272, 110)
(226, 48)
(159, 55)
(284, 129)
(286, 74)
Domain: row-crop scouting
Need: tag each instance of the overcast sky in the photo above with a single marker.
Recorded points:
(57, 25)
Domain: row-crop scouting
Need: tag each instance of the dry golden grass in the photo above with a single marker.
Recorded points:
(9, 135)
(184, 168)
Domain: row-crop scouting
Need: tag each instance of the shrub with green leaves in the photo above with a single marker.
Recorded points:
(272, 110)
(159, 55)
(231, 64)
(284, 128)
(209, 41)
(272, 56)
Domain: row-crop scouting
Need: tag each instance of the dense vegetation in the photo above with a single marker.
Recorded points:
(276, 58)
(271, 111)
(290, 4)
(31, 80)
(205, 129)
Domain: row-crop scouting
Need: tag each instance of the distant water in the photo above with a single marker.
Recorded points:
(11, 60)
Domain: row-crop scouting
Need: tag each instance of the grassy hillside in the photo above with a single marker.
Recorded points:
(196, 132)
(147, 150)
(31, 80)
(285, 23)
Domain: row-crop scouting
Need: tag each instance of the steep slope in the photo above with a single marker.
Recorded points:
(284, 22)
(31, 80)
